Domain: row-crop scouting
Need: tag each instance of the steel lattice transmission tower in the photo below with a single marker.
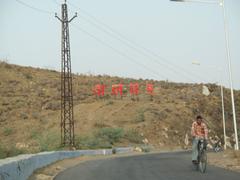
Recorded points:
(67, 121)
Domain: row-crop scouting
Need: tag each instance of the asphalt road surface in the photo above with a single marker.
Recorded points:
(164, 166)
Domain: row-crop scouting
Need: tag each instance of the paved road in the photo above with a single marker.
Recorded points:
(164, 166)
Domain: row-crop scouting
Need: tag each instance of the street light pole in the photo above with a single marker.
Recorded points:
(230, 73)
(223, 115)
(228, 59)
(196, 1)
(222, 101)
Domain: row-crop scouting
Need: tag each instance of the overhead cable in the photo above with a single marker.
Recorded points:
(34, 8)
(117, 35)
(157, 74)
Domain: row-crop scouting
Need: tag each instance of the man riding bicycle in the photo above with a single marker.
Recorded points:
(199, 131)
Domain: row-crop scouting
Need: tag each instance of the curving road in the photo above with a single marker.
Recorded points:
(164, 166)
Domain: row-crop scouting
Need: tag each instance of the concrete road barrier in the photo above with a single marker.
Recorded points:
(22, 166)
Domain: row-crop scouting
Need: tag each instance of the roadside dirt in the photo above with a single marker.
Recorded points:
(229, 159)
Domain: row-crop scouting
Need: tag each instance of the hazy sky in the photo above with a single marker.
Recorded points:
(154, 39)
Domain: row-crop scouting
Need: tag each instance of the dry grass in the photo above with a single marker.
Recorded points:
(30, 108)
(228, 159)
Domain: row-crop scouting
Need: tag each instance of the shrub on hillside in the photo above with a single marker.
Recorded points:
(133, 136)
(140, 116)
(2, 152)
(111, 135)
(46, 142)
(28, 76)
(91, 142)
(146, 149)
(52, 106)
(10, 151)
(7, 131)
(100, 124)
(106, 138)
(109, 103)
(49, 142)
(23, 115)
(36, 115)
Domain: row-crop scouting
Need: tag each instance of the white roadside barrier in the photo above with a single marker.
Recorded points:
(22, 166)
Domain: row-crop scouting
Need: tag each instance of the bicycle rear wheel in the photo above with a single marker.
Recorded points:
(203, 162)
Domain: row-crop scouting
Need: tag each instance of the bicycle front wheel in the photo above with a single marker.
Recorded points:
(203, 162)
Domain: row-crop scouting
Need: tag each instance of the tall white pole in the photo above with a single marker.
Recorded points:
(223, 116)
(222, 100)
(223, 109)
(230, 74)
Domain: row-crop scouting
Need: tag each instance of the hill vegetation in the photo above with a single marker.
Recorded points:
(30, 112)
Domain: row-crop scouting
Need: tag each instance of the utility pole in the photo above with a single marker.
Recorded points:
(230, 73)
(67, 121)
(222, 4)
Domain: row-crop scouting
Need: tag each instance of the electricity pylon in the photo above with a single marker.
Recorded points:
(67, 121)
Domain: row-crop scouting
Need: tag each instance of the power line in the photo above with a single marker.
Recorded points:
(121, 53)
(102, 42)
(34, 8)
(134, 48)
(55, 2)
(110, 31)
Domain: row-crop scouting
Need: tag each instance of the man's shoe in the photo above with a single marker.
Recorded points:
(194, 161)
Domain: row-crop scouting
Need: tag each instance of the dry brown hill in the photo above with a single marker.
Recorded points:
(30, 112)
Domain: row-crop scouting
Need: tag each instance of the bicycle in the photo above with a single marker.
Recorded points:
(217, 146)
(202, 156)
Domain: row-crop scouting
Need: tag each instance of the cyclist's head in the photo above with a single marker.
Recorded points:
(199, 119)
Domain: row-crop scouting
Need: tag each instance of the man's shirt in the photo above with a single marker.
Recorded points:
(199, 130)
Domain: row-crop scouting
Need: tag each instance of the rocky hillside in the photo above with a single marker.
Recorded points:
(30, 112)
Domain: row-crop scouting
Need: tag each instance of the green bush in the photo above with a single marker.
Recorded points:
(91, 142)
(100, 124)
(34, 134)
(28, 76)
(146, 149)
(133, 136)
(35, 115)
(125, 90)
(13, 151)
(10, 151)
(111, 135)
(7, 131)
(47, 141)
(2, 152)
(23, 116)
(140, 116)
(103, 138)
(109, 103)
